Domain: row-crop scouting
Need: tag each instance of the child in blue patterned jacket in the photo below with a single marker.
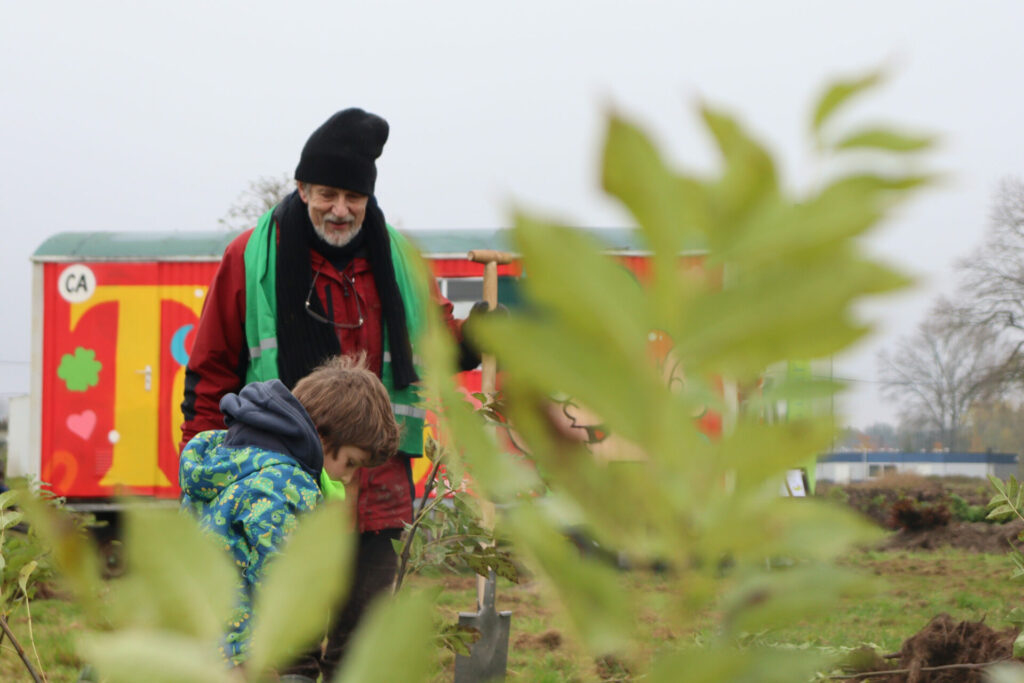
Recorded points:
(282, 451)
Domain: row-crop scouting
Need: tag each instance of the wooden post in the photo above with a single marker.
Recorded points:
(488, 374)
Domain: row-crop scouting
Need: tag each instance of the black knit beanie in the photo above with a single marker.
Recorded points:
(341, 152)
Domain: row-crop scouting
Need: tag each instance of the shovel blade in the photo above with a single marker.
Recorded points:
(488, 657)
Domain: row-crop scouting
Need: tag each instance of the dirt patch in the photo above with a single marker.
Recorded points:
(875, 498)
(943, 643)
(976, 536)
(611, 668)
(550, 641)
(930, 512)
(49, 590)
(663, 633)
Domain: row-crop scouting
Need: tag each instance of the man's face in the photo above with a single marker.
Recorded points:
(337, 215)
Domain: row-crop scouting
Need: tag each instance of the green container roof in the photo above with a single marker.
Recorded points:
(135, 246)
(439, 242)
(209, 245)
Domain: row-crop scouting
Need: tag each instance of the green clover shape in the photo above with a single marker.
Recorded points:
(81, 370)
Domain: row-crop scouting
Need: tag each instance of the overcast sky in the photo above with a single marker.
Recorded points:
(155, 116)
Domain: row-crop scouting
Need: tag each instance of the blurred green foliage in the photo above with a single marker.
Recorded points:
(1006, 504)
(782, 273)
(163, 620)
(780, 278)
(22, 551)
(966, 512)
(26, 563)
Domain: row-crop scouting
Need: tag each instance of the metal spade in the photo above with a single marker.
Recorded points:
(488, 657)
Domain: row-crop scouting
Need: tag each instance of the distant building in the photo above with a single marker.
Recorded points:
(850, 466)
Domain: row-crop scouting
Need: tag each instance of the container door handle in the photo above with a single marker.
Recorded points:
(147, 372)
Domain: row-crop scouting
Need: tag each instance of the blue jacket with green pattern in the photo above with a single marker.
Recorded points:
(247, 484)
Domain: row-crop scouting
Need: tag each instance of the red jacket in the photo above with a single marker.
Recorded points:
(219, 357)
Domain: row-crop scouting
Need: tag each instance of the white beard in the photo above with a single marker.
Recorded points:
(336, 239)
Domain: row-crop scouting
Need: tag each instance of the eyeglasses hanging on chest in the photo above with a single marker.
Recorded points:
(348, 288)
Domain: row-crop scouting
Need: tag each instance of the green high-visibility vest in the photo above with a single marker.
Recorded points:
(261, 322)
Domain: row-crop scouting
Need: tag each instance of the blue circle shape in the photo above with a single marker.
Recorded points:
(178, 344)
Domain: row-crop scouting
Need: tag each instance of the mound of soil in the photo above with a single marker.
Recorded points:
(875, 497)
(976, 536)
(943, 643)
(923, 507)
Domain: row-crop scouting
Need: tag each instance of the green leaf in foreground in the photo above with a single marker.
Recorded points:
(671, 209)
(9, 518)
(73, 550)
(753, 665)
(590, 591)
(317, 558)
(883, 139)
(593, 293)
(839, 94)
(1000, 512)
(748, 184)
(186, 578)
(502, 476)
(998, 483)
(23, 575)
(394, 642)
(153, 656)
(459, 639)
(763, 601)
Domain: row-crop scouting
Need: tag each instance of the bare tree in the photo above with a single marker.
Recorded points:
(994, 277)
(938, 373)
(259, 197)
(998, 425)
(914, 434)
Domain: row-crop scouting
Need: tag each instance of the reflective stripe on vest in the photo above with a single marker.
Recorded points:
(265, 344)
(408, 411)
(415, 359)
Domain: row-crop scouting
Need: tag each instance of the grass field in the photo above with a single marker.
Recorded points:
(912, 588)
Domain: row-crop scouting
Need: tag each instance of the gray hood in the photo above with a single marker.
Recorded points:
(268, 416)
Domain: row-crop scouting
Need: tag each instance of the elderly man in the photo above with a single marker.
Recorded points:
(323, 274)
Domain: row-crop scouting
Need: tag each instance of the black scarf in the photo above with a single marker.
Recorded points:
(303, 342)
